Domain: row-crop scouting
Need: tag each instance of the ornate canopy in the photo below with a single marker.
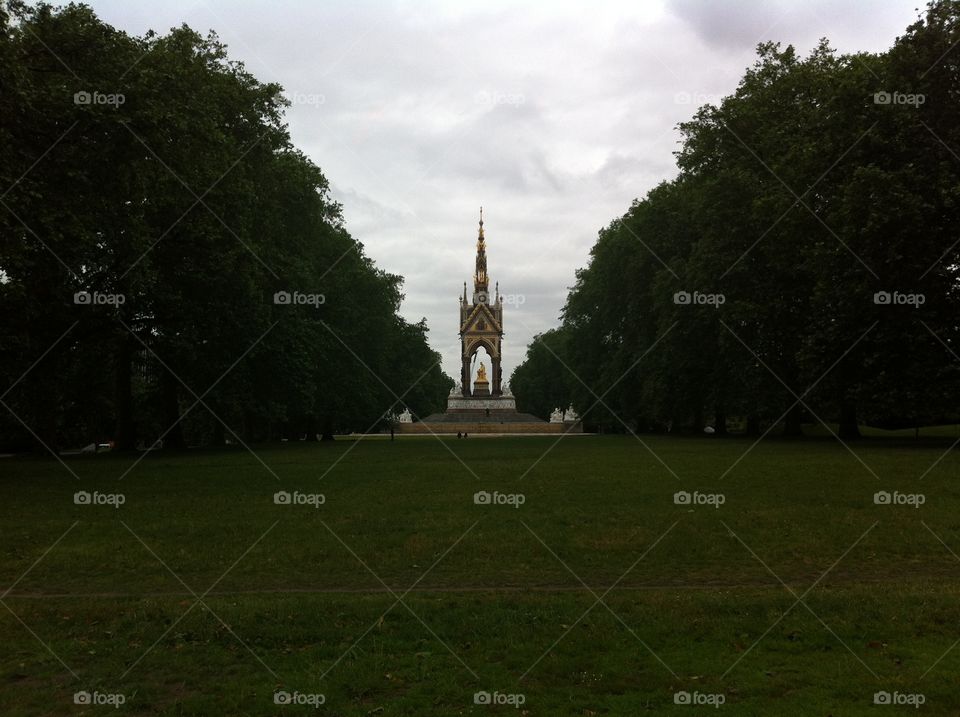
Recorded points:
(481, 320)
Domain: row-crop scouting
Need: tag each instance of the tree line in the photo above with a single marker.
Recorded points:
(802, 266)
(171, 266)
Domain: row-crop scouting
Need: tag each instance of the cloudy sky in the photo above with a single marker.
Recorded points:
(552, 115)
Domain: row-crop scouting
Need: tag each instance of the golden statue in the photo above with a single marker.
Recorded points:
(482, 374)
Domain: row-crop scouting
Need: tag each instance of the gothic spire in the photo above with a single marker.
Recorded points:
(480, 281)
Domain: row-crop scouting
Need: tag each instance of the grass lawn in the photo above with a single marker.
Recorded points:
(782, 587)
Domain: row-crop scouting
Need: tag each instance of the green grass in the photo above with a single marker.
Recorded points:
(296, 600)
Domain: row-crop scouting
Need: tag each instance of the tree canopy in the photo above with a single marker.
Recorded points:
(803, 265)
(171, 266)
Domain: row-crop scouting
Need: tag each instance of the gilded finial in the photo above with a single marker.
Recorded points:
(480, 275)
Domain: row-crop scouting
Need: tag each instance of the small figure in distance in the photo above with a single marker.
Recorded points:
(465, 434)
(458, 435)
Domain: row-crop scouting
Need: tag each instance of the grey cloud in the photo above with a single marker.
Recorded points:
(553, 117)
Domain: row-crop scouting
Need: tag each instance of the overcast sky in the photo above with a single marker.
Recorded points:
(552, 115)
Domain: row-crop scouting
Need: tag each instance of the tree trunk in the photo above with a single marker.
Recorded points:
(327, 430)
(849, 430)
(792, 427)
(170, 410)
(219, 434)
(698, 419)
(720, 419)
(248, 426)
(125, 433)
(47, 437)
